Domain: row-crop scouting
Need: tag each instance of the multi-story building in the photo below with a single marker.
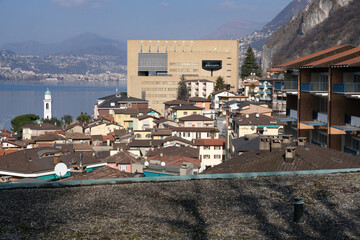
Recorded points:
(325, 93)
(155, 67)
(200, 88)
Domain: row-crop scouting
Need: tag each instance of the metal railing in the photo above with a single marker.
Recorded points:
(346, 87)
(314, 87)
(290, 85)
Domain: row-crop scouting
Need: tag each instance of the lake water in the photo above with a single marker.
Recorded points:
(72, 98)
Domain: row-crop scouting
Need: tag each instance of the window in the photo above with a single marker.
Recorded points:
(198, 124)
(217, 156)
(217, 147)
(189, 125)
(206, 147)
(138, 135)
(47, 106)
(123, 167)
(206, 156)
(185, 113)
(148, 135)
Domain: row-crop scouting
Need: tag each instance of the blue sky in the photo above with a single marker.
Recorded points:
(55, 20)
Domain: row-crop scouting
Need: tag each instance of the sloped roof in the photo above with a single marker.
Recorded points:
(177, 102)
(123, 157)
(353, 62)
(315, 56)
(195, 117)
(244, 144)
(199, 99)
(175, 150)
(187, 107)
(176, 160)
(77, 136)
(311, 157)
(42, 126)
(192, 129)
(117, 99)
(179, 139)
(100, 173)
(209, 142)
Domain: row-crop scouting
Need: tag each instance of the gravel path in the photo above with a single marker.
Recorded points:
(252, 208)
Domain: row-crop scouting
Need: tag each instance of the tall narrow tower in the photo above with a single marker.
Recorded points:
(47, 105)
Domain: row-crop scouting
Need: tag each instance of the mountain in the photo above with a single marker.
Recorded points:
(320, 25)
(85, 43)
(234, 30)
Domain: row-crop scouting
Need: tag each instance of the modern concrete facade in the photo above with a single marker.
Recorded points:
(155, 66)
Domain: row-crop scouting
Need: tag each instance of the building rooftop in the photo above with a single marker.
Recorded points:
(196, 117)
(240, 208)
(254, 120)
(42, 126)
(187, 107)
(114, 101)
(209, 142)
(198, 99)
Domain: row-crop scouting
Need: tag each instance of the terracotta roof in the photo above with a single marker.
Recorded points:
(315, 56)
(48, 137)
(275, 70)
(195, 117)
(146, 116)
(175, 150)
(161, 132)
(42, 126)
(82, 146)
(187, 107)
(354, 62)
(96, 138)
(100, 173)
(198, 99)
(179, 139)
(145, 143)
(19, 144)
(311, 157)
(176, 160)
(192, 129)
(133, 110)
(209, 142)
(123, 157)
(77, 136)
(331, 60)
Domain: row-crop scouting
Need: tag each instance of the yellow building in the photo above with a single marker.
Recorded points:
(155, 66)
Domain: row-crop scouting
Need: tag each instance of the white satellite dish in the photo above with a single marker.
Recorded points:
(61, 169)
(257, 115)
(163, 164)
(146, 163)
(265, 128)
(247, 116)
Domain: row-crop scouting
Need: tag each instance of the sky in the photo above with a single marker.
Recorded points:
(50, 21)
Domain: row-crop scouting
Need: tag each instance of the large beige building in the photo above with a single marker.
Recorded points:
(155, 66)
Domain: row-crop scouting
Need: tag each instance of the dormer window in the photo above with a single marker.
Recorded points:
(112, 104)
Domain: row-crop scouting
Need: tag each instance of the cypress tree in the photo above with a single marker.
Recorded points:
(250, 65)
(182, 91)
(219, 85)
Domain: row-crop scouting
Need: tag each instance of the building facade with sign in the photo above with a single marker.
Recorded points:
(156, 66)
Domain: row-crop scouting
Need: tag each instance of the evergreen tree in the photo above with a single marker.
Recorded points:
(219, 85)
(19, 121)
(52, 120)
(67, 119)
(250, 65)
(182, 91)
(83, 118)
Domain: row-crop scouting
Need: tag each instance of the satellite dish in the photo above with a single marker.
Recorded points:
(163, 164)
(247, 116)
(257, 115)
(61, 169)
(146, 163)
(252, 127)
(265, 128)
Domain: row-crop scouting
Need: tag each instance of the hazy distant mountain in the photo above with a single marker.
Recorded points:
(234, 30)
(85, 43)
(320, 25)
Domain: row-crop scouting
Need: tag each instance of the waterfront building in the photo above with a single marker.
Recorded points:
(155, 67)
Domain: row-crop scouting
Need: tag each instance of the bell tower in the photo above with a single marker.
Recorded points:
(47, 105)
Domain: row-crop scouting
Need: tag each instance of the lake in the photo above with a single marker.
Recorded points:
(72, 98)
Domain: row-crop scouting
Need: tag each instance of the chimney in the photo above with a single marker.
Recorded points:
(56, 159)
(301, 141)
(264, 143)
(287, 139)
(289, 154)
(275, 143)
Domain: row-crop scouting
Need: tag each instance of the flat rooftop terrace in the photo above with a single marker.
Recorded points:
(241, 208)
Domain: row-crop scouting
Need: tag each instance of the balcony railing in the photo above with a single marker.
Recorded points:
(349, 87)
(290, 85)
(314, 87)
(279, 86)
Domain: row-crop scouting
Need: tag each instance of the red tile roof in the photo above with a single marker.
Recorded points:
(340, 57)
(175, 160)
(315, 56)
(275, 70)
(209, 142)
(354, 62)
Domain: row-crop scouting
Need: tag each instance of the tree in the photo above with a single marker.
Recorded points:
(83, 117)
(219, 85)
(250, 65)
(67, 119)
(182, 91)
(213, 131)
(52, 120)
(19, 121)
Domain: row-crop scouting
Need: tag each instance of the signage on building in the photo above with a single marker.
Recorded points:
(211, 64)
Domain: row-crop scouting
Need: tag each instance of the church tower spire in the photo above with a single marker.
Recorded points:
(47, 105)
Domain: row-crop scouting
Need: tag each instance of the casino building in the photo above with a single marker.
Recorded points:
(155, 66)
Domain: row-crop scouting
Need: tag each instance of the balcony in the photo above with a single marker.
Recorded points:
(279, 86)
(349, 87)
(314, 87)
(290, 85)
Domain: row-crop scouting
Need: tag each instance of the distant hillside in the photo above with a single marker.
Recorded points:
(322, 24)
(234, 30)
(82, 44)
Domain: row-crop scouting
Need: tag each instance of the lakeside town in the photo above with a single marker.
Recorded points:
(252, 137)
